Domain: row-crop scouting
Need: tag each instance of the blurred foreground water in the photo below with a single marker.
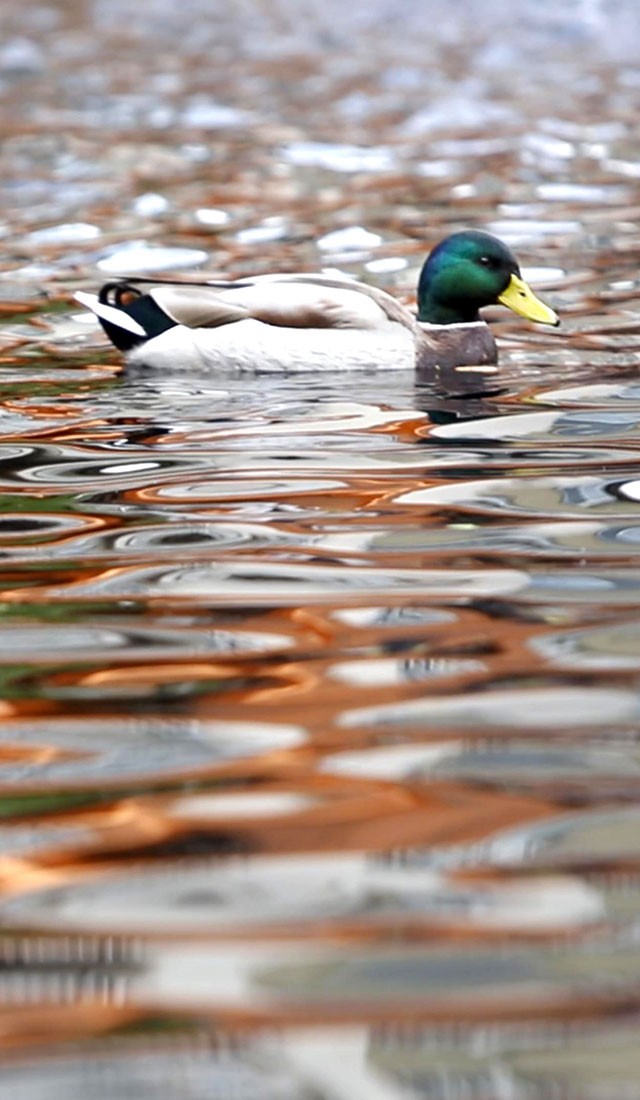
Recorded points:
(320, 710)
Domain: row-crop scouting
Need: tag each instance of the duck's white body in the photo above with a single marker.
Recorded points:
(291, 323)
(306, 327)
(253, 347)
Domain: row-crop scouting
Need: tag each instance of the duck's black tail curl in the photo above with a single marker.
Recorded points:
(123, 297)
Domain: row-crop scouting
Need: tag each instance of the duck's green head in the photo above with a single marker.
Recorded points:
(469, 270)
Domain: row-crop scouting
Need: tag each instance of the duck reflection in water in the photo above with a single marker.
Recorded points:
(456, 393)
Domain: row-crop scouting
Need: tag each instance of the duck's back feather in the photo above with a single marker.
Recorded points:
(274, 302)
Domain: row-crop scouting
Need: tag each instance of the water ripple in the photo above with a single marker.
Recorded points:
(266, 582)
(90, 754)
(553, 497)
(319, 715)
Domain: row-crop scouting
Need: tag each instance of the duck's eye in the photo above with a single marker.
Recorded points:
(485, 261)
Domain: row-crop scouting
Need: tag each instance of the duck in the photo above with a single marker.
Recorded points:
(309, 322)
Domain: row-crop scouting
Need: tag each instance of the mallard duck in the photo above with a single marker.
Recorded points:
(314, 322)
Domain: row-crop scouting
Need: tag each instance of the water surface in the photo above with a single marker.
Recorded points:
(319, 716)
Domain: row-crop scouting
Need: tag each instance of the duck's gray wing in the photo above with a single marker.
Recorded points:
(295, 302)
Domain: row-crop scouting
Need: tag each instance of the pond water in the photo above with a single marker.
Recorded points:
(319, 708)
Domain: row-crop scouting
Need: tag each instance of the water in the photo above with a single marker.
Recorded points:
(319, 710)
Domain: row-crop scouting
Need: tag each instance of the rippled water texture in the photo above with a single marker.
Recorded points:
(319, 707)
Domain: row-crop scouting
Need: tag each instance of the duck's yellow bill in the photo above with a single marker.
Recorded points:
(520, 298)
